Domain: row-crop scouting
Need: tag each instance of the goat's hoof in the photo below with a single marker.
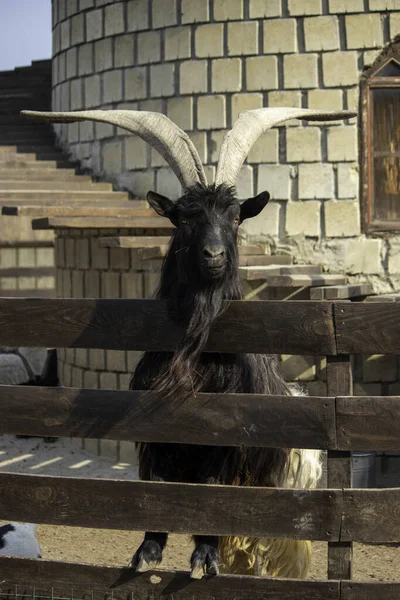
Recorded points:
(144, 566)
(197, 571)
(147, 557)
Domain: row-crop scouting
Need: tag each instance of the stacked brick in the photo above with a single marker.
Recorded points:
(26, 257)
(201, 62)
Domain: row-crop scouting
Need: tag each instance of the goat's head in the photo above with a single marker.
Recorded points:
(207, 219)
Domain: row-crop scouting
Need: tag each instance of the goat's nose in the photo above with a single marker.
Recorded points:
(214, 251)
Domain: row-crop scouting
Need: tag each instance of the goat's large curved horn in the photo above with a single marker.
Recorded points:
(253, 123)
(156, 129)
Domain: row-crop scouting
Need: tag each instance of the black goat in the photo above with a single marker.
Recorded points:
(200, 273)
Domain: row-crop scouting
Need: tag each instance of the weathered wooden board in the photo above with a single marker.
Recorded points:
(368, 423)
(341, 292)
(371, 515)
(372, 328)
(101, 223)
(356, 590)
(295, 280)
(252, 273)
(339, 381)
(207, 419)
(128, 210)
(137, 241)
(66, 202)
(174, 507)
(59, 578)
(290, 327)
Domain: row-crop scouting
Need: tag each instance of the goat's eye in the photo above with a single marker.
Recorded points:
(184, 221)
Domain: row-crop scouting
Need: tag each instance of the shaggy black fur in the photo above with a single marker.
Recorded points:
(196, 287)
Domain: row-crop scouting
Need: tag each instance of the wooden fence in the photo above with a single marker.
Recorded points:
(339, 423)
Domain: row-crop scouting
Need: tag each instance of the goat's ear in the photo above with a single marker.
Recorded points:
(163, 206)
(253, 206)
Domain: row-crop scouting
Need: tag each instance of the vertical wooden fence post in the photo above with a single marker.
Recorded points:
(339, 383)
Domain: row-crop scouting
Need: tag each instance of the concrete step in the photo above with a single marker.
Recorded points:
(32, 157)
(44, 148)
(15, 162)
(64, 195)
(46, 174)
(88, 186)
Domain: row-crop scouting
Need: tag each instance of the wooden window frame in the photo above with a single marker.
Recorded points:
(370, 81)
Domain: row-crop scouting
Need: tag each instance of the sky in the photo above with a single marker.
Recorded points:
(25, 32)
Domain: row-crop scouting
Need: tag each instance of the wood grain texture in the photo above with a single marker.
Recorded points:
(302, 327)
(371, 515)
(164, 585)
(101, 223)
(356, 590)
(339, 381)
(368, 423)
(209, 419)
(341, 292)
(174, 507)
(371, 328)
(137, 241)
(296, 280)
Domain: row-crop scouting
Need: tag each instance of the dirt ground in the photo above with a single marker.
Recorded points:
(371, 563)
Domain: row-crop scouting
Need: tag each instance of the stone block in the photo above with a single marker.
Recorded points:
(348, 181)
(226, 75)
(287, 98)
(211, 112)
(364, 31)
(321, 33)
(280, 36)
(73, 133)
(167, 184)
(99, 255)
(266, 148)
(177, 43)
(342, 143)
(112, 86)
(199, 140)
(325, 99)
(156, 160)
(303, 218)
(142, 183)
(114, 19)
(363, 256)
(150, 284)
(193, 77)
(180, 111)
(162, 80)
(128, 453)
(242, 38)
(85, 59)
(300, 7)
(394, 20)
(86, 4)
(45, 283)
(316, 181)
(342, 219)
(215, 144)
(346, 6)
(124, 55)
(261, 73)
(370, 56)
(245, 183)
(119, 259)
(82, 253)
(340, 68)
(379, 367)
(367, 389)
(303, 144)
(104, 130)
(61, 66)
(123, 381)
(94, 25)
(27, 257)
(112, 157)
(103, 55)
(108, 381)
(353, 99)
(65, 33)
(77, 284)
(242, 102)
(132, 285)
(108, 448)
(164, 15)
(135, 83)
(76, 94)
(149, 47)
(225, 10)
(8, 258)
(275, 179)
(384, 5)
(266, 223)
(209, 40)
(152, 105)
(194, 11)
(97, 359)
(110, 285)
(116, 359)
(137, 15)
(71, 63)
(298, 368)
(394, 259)
(300, 71)
(135, 153)
(261, 8)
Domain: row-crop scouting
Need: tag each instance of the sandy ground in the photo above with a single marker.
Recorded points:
(379, 563)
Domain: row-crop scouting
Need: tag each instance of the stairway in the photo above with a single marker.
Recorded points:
(34, 170)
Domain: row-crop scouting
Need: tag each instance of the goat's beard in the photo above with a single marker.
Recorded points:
(197, 304)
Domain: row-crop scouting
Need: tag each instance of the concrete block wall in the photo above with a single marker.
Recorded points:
(28, 256)
(203, 61)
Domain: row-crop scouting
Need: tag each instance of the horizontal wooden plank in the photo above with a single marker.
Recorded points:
(59, 578)
(341, 292)
(384, 298)
(294, 280)
(74, 202)
(174, 507)
(101, 223)
(137, 241)
(252, 273)
(357, 590)
(368, 328)
(207, 419)
(301, 327)
(368, 423)
(77, 211)
(371, 515)
(159, 251)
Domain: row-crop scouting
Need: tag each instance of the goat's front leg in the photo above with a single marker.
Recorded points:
(149, 554)
(205, 558)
